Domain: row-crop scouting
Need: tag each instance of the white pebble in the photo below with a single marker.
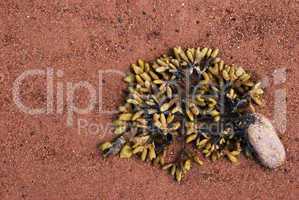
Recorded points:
(267, 145)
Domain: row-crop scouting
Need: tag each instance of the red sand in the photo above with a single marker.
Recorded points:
(43, 159)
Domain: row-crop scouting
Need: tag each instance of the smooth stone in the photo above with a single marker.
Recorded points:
(266, 143)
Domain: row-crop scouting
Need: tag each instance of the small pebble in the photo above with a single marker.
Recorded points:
(267, 145)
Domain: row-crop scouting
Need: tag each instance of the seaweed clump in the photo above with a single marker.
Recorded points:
(192, 98)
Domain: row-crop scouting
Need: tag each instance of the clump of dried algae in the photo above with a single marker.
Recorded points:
(191, 97)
